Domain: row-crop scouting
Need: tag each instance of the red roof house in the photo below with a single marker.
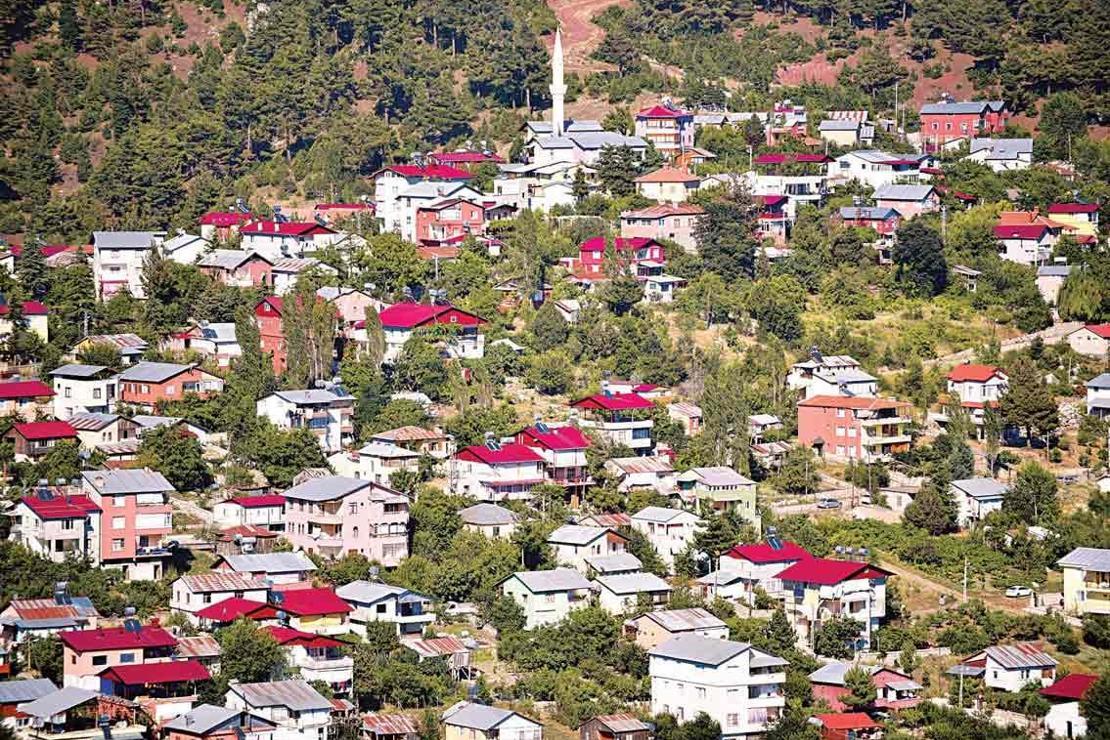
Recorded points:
(855, 725)
(763, 552)
(60, 507)
(502, 454)
(18, 396)
(974, 373)
(613, 402)
(1072, 687)
(633, 251)
(827, 572)
(229, 610)
(424, 172)
(36, 438)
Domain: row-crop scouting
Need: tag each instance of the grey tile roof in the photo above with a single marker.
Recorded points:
(832, 673)
(623, 584)
(153, 372)
(476, 716)
(274, 562)
(574, 534)
(971, 106)
(487, 515)
(13, 692)
(327, 488)
(618, 562)
(125, 239)
(57, 701)
(181, 240)
(685, 620)
(657, 514)
(903, 192)
(1100, 382)
(386, 450)
(697, 649)
(127, 481)
(722, 577)
(980, 487)
(1088, 558)
(78, 371)
(203, 719)
(294, 694)
(551, 581)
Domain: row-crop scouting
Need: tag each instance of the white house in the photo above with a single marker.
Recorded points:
(277, 239)
(547, 596)
(391, 181)
(573, 544)
(978, 384)
(1092, 340)
(739, 686)
(380, 602)
(1086, 580)
(299, 711)
(1098, 396)
(1012, 667)
(327, 413)
(826, 375)
(1002, 155)
(754, 566)
(468, 721)
(620, 592)
(975, 498)
(191, 593)
(263, 510)
(279, 568)
(378, 461)
(875, 168)
(496, 472)
(641, 473)
(183, 248)
(491, 520)
(815, 588)
(83, 389)
(118, 260)
(722, 489)
(670, 531)
(317, 657)
(1064, 718)
(1028, 243)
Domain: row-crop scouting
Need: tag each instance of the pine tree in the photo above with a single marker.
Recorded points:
(69, 28)
(919, 255)
(375, 338)
(1028, 403)
(31, 270)
(725, 235)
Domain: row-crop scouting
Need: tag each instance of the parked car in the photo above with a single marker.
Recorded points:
(828, 503)
(1017, 592)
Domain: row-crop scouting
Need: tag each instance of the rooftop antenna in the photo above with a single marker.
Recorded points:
(130, 623)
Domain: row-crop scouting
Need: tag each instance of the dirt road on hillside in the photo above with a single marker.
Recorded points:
(580, 35)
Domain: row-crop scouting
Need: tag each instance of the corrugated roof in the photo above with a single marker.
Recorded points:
(77, 371)
(222, 581)
(273, 562)
(117, 638)
(57, 701)
(202, 719)
(1022, 655)
(125, 239)
(763, 552)
(826, 572)
(618, 562)
(29, 610)
(623, 722)
(29, 689)
(550, 581)
(719, 475)
(91, 422)
(369, 592)
(660, 514)
(436, 647)
(1087, 558)
(634, 465)
(293, 694)
(477, 716)
(685, 620)
(1072, 687)
(624, 584)
(903, 192)
(574, 534)
(198, 646)
(111, 482)
(980, 487)
(390, 724)
(144, 674)
(697, 649)
(153, 372)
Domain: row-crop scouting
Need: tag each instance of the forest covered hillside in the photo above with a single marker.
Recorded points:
(147, 113)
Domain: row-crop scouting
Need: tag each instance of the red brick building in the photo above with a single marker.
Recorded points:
(948, 120)
(147, 383)
(448, 219)
(854, 428)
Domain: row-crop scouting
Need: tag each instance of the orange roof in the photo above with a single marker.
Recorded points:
(846, 721)
(668, 174)
(972, 372)
(853, 402)
(1026, 218)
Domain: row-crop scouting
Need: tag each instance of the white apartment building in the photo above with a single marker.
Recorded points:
(83, 389)
(191, 593)
(573, 544)
(877, 169)
(670, 531)
(496, 472)
(379, 602)
(326, 413)
(57, 526)
(622, 418)
(118, 260)
(830, 375)
(739, 686)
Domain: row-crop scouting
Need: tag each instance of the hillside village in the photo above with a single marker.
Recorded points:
(725, 416)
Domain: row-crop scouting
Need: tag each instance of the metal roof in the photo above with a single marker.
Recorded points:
(386, 450)
(637, 465)
(658, 514)
(618, 562)
(903, 192)
(198, 646)
(979, 488)
(487, 515)
(273, 562)
(91, 421)
(369, 592)
(112, 482)
(1023, 655)
(1099, 381)
(77, 370)
(222, 581)
(14, 692)
(697, 649)
(225, 259)
(327, 488)
(550, 581)
(623, 584)
(153, 372)
(717, 475)
(311, 396)
(58, 701)
(574, 534)
(293, 694)
(408, 434)
(478, 716)
(125, 239)
(390, 724)
(685, 620)
(1054, 270)
(202, 719)
(623, 722)
(1087, 558)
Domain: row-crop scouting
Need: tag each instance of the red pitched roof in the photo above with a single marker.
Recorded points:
(30, 308)
(287, 228)
(276, 301)
(224, 218)
(558, 438)
(465, 157)
(661, 111)
(1019, 231)
(846, 721)
(229, 610)
(614, 402)
(505, 454)
(412, 315)
(826, 572)
(597, 243)
(24, 389)
(1073, 686)
(36, 430)
(60, 507)
(117, 638)
(1101, 330)
(311, 602)
(972, 372)
(290, 636)
(151, 673)
(784, 157)
(852, 402)
(762, 552)
(254, 502)
(1074, 207)
(426, 172)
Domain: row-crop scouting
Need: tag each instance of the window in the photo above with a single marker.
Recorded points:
(380, 609)
(96, 393)
(117, 545)
(68, 392)
(840, 431)
(353, 507)
(171, 390)
(701, 692)
(144, 388)
(119, 501)
(119, 522)
(100, 660)
(733, 720)
(840, 413)
(354, 532)
(127, 658)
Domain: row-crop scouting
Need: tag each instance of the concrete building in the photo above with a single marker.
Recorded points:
(379, 602)
(491, 520)
(976, 498)
(573, 544)
(653, 628)
(327, 413)
(467, 721)
(118, 260)
(817, 589)
(547, 596)
(299, 711)
(721, 489)
(670, 531)
(1098, 396)
(1086, 580)
(136, 517)
(622, 418)
(495, 472)
(849, 428)
(334, 516)
(622, 592)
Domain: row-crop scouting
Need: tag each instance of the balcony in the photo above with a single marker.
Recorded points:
(883, 420)
(328, 663)
(326, 517)
(890, 439)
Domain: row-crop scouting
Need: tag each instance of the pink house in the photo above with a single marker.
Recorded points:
(634, 251)
(88, 653)
(136, 516)
(773, 218)
(237, 267)
(673, 222)
(335, 515)
(447, 219)
(854, 427)
(948, 120)
(908, 200)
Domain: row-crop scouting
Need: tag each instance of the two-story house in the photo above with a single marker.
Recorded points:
(467, 721)
(118, 260)
(401, 320)
(948, 120)
(670, 531)
(496, 472)
(334, 516)
(1086, 580)
(1098, 396)
(893, 689)
(653, 628)
(1077, 218)
(376, 461)
(737, 685)
(25, 619)
(391, 181)
(908, 200)
(57, 526)
(298, 711)
(668, 185)
(102, 430)
(277, 239)
(136, 516)
(630, 252)
(757, 566)
(33, 439)
(327, 413)
(671, 221)
(26, 399)
(977, 387)
(447, 219)
(976, 498)
(317, 657)
(146, 383)
(547, 596)
(191, 593)
(818, 589)
(721, 489)
(418, 439)
(618, 593)
(82, 389)
(621, 418)
(876, 169)
(643, 473)
(262, 510)
(853, 428)
(563, 449)
(490, 520)
(280, 568)
(88, 653)
(670, 129)
(573, 543)
(372, 601)
(621, 726)
(237, 268)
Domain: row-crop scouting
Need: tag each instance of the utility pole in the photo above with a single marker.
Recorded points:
(965, 599)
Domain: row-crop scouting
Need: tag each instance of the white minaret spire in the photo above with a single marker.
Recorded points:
(558, 88)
